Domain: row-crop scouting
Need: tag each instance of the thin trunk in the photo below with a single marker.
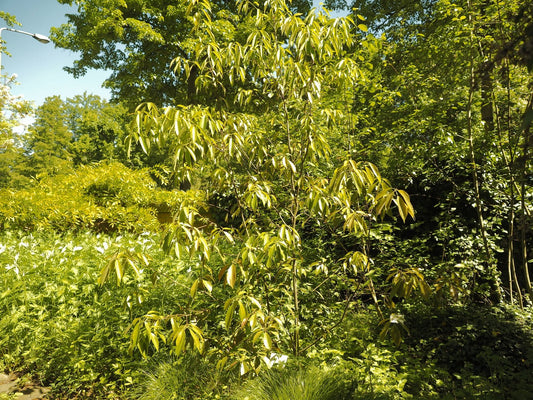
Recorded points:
(296, 310)
(523, 243)
(511, 199)
(487, 111)
(475, 176)
(510, 249)
(294, 219)
(523, 208)
(513, 186)
(515, 279)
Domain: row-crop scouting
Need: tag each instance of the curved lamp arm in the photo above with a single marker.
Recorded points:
(36, 36)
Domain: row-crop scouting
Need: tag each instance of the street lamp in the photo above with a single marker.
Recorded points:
(36, 36)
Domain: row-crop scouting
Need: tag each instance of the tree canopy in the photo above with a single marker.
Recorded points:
(137, 40)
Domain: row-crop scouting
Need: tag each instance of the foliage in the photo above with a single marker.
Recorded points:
(106, 197)
(81, 130)
(443, 116)
(77, 131)
(476, 350)
(98, 129)
(12, 111)
(56, 324)
(49, 140)
(185, 378)
(64, 330)
(10, 21)
(276, 166)
(137, 40)
(309, 383)
(290, 259)
(61, 328)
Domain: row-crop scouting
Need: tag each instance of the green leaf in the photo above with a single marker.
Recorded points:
(267, 341)
(231, 275)
(229, 315)
(207, 284)
(197, 337)
(194, 288)
(402, 209)
(179, 340)
(242, 311)
(104, 274)
(119, 270)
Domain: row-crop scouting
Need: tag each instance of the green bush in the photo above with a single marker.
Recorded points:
(189, 377)
(476, 351)
(304, 383)
(106, 197)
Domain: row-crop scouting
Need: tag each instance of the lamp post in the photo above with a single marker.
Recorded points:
(36, 36)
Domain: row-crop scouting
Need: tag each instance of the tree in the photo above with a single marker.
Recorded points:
(98, 129)
(81, 130)
(48, 142)
(12, 111)
(270, 180)
(136, 40)
(451, 99)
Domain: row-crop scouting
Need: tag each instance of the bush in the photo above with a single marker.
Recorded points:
(305, 383)
(106, 197)
(480, 351)
(189, 377)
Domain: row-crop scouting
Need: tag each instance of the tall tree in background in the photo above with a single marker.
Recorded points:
(98, 129)
(12, 112)
(81, 130)
(49, 139)
(137, 40)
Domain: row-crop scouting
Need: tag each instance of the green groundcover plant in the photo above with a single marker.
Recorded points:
(56, 323)
(61, 328)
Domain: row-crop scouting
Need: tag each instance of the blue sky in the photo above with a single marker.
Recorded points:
(39, 67)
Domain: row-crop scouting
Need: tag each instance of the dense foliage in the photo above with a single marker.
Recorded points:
(307, 207)
(106, 197)
(11, 153)
(137, 41)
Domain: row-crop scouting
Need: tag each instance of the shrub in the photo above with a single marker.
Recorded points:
(56, 323)
(189, 377)
(106, 197)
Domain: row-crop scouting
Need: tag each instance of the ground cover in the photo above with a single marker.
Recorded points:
(59, 328)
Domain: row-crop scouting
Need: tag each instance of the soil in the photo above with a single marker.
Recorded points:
(11, 385)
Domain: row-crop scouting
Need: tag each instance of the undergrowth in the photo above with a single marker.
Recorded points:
(60, 328)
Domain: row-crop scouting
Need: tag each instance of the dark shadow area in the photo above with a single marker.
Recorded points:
(477, 351)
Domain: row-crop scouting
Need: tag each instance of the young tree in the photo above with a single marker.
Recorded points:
(263, 159)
